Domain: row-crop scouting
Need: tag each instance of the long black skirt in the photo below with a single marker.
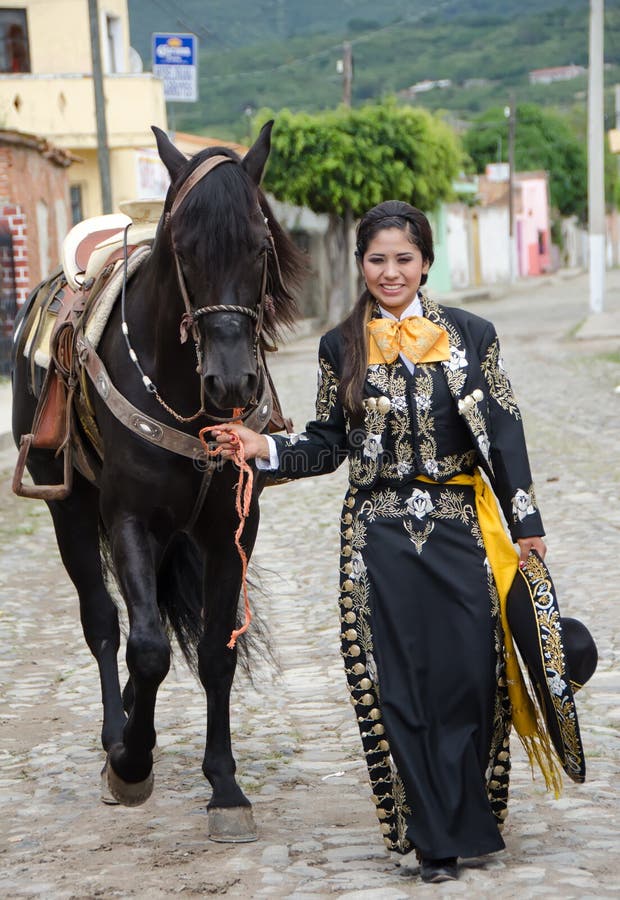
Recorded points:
(422, 644)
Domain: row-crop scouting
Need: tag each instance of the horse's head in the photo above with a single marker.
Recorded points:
(225, 246)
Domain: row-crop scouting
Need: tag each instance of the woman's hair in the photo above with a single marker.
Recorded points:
(391, 214)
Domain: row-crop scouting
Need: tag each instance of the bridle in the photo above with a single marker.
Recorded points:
(189, 319)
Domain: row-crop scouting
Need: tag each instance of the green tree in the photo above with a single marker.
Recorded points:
(344, 161)
(543, 140)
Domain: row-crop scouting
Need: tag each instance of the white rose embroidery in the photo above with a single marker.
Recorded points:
(522, 505)
(556, 685)
(403, 468)
(422, 402)
(458, 360)
(432, 467)
(485, 446)
(399, 404)
(372, 446)
(419, 504)
(357, 565)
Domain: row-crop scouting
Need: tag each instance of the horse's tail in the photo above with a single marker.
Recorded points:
(179, 594)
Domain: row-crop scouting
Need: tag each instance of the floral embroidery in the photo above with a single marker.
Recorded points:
(399, 404)
(432, 467)
(419, 504)
(484, 444)
(417, 511)
(327, 391)
(357, 565)
(556, 684)
(523, 504)
(419, 538)
(372, 446)
(382, 503)
(499, 385)
(458, 360)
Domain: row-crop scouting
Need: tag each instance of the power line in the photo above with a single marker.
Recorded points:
(325, 51)
(168, 7)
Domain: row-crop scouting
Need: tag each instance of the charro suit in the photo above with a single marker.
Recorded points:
(421, 633)
(444, 419)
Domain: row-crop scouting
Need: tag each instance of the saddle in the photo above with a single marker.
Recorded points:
(93, 251)
(61, 331)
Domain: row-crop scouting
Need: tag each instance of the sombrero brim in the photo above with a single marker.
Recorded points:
(535, 623)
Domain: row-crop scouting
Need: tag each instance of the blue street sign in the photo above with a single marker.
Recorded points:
(175, 61)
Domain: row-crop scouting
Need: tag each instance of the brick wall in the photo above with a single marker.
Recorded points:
(13, 219)
(29, 177)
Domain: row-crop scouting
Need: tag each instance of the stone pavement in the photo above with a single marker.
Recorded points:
(294, 735)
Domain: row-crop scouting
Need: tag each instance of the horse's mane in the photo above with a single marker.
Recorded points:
(231, 198)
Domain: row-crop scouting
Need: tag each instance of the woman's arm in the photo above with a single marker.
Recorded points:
(321, 448)
(512, 480)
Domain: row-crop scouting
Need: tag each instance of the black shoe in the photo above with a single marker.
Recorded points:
(434, 871)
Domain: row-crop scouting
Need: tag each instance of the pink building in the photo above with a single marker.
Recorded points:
(532, 226)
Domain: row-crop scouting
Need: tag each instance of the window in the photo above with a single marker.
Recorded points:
(77, 213)
(113, 44)
(14, 52)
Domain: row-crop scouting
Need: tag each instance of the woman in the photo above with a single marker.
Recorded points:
(416, 396)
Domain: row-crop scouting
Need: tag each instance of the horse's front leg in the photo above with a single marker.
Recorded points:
(230, 812)
(130, 763)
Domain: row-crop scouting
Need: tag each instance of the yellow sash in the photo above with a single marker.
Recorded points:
(504, 562)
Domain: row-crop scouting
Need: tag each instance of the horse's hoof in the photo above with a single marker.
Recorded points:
(125, 792)
(106, 794)
(232, 825)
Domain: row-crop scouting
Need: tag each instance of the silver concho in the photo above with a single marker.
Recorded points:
(103, 385)
(146, 427)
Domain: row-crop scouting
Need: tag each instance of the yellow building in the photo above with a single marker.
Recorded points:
(46, 88)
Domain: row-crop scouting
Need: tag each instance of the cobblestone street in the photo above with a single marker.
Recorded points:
(294, 735)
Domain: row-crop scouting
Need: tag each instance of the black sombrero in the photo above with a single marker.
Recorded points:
(560, 656)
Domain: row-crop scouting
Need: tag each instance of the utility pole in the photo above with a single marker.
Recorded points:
(511, 113)
(596, 173)
(347, 73)
(345, 68)
(103, 154)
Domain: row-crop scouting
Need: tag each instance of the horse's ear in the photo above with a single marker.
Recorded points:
(256, 157)
(172, 158)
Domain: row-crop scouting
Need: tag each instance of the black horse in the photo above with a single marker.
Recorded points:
(219, 267)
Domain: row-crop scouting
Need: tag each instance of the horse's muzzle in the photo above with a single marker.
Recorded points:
(228, 393)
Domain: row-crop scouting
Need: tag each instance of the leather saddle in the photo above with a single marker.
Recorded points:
(92, 251)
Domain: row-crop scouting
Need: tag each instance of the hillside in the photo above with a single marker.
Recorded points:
(280, 53)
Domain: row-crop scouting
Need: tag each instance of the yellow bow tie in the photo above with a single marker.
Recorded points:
(418, 338)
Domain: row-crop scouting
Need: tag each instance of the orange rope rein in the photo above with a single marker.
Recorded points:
(243, 498)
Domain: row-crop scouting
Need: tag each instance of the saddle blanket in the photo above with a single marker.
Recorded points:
(41, 327)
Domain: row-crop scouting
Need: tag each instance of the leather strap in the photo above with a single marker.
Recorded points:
(150, 429)
(197, 175)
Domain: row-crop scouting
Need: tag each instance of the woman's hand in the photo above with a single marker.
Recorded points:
(530, 543)
(254, 444)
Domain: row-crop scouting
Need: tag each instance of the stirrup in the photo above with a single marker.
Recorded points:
(41, 491)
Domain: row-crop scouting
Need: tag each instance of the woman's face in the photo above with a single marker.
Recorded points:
(393, 267)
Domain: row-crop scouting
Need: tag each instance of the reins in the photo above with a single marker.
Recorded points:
(243, 498)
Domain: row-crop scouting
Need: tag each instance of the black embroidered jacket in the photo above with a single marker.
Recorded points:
(443, 420)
